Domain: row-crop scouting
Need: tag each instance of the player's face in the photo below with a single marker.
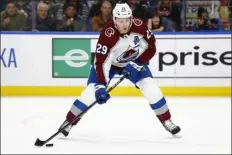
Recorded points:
(123, 24)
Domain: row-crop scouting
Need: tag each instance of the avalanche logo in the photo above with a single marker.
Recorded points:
(127, 56)
(109, 32)
(137, 22)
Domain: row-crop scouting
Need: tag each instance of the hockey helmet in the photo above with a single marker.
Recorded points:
(122, 10)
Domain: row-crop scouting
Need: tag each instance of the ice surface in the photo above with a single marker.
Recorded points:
(123, 125)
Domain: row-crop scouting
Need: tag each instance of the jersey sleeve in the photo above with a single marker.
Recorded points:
(103, 55)
(151, 50)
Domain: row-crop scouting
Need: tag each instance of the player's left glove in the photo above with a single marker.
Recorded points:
(133, 68)
(101, 94)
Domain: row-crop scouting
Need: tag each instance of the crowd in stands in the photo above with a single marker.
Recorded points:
(92, 15)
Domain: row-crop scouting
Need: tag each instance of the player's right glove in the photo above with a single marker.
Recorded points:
(101, 94)
(133, 68)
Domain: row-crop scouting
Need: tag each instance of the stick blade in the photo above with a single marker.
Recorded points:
(39, 142)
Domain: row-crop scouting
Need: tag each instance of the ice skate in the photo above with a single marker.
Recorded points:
(65, 132)
(171, 127)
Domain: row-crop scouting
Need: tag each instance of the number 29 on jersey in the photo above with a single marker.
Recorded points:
(102, 49)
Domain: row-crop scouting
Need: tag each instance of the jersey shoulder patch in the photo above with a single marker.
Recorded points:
(109, 34)
(137, 22)
(109, 31)
(139, 26)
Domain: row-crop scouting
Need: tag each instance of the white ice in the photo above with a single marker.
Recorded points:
(123, 125)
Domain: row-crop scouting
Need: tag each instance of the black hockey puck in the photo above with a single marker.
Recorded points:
(49, 145)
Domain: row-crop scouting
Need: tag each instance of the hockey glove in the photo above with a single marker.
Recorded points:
(133, 69)
(100, 94)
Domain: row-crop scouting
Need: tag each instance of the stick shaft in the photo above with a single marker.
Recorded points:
(82, 113)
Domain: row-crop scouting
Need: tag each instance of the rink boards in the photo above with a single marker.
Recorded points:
(57, 64)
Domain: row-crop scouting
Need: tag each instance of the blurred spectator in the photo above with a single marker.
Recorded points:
(139, 11)
(43, 22)
(224, 14)
(144, 3)
(69, 21)
(214, 24)
(164, 10)
(98, 22)
(82, 8)
(11, 18)
(27, 6)
(24, 7)
(155, 25)
(153, 4)
(53, 7)
(96, 8)
(175, 14)
(89, 3)
(204, 22)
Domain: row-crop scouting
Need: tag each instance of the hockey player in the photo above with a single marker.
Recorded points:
(124, 44)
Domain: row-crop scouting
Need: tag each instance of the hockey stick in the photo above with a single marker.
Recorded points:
(39, 142)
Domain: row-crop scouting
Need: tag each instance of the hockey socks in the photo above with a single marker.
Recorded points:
(75, 110)
(161, 110)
